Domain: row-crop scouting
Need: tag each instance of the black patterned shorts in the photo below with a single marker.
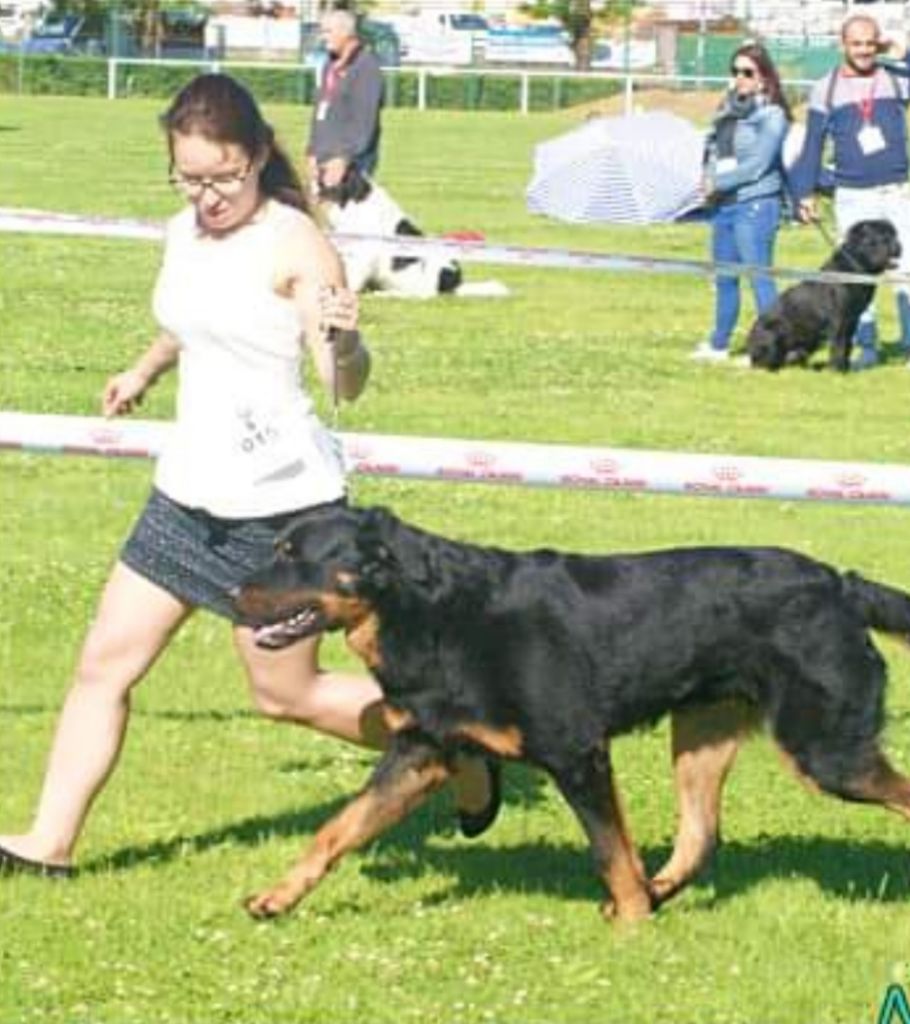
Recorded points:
(198, 557)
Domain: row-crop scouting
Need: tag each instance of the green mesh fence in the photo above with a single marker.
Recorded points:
(796, 58)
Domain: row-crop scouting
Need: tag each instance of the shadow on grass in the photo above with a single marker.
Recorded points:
(211, 715)
(856, 871)
(852, 871)
(435, 818)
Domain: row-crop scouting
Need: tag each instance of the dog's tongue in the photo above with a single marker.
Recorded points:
(280, 634)
(271, 636)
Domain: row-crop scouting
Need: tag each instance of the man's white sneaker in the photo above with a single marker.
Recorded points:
(705, 352)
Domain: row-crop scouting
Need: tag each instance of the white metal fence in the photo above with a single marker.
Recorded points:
(631, 80)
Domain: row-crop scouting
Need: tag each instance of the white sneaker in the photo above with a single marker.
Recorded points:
(705, 352)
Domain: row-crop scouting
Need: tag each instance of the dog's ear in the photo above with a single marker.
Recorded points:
(389, 549)
(376, 560)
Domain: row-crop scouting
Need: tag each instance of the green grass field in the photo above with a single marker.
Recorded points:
(804, 917)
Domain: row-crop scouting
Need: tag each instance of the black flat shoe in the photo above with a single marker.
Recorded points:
(474, 823)
(12, 864)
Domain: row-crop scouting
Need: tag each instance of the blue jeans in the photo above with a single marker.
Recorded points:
(742, 233)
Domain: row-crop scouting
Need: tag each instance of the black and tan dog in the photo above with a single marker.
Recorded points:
(808, 314)
(544, 657)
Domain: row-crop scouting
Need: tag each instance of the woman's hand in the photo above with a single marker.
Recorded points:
(339, 308)
(123, 392)
(332, 172)
(807, 211)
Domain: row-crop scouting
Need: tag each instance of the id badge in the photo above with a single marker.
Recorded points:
(870, 139)
(322, 110)
(268, 444)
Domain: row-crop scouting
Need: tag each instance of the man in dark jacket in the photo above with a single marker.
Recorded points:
(345, 130)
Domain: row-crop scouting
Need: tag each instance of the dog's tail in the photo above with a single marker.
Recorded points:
(881, 607)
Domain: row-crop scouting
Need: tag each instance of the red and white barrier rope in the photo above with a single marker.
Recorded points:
(44, 222)
(499, 462)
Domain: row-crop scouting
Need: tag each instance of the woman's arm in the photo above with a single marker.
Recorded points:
(124, 391)
(769, 139)
(312, 272)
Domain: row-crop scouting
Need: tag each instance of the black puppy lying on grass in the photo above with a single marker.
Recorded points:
(809, 313)
(545, 657)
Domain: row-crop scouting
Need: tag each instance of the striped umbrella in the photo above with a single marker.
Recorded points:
(638, 169)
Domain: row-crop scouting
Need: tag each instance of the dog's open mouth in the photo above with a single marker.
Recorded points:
(305, 622)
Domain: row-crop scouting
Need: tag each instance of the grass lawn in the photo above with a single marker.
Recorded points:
(804, 917)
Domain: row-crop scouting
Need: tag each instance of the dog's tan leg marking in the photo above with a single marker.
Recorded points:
(386, 800)
(883, 785)
(506, 742)
(705, 742)
(622, 870)
(396, 719)
(591, 792)
(879, 783)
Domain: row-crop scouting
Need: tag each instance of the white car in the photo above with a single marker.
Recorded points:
(16, 19)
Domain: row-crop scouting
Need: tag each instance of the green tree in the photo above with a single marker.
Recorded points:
(144, 16)
(579, 18)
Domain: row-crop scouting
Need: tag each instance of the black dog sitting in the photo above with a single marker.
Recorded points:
(545, 657)
(808, 313)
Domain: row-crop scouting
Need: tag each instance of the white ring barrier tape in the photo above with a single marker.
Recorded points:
(44, 223)
(500, 462)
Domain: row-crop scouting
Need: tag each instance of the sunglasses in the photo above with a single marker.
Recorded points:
(743, 72)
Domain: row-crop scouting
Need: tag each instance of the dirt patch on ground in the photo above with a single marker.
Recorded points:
(695, 106)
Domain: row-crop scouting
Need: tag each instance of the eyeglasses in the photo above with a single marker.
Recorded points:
(743, 72)
(225, 185)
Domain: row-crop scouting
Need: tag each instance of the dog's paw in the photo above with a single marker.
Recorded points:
(270, 903)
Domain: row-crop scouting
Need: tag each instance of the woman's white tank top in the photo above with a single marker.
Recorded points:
(247, 442)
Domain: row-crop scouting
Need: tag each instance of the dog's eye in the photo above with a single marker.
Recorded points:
(346, 583)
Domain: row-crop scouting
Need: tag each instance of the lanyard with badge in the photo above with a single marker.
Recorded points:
(870, 137)
(329, 88)
(335, 71)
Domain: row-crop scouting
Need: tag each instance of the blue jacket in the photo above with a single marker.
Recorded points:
(755, 170)
(838, 107)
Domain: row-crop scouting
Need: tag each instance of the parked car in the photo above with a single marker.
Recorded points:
(16, 18)
(440, 36)
(68, 34)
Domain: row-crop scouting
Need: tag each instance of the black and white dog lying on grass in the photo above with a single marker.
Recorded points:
(812, 312)
(358, 206)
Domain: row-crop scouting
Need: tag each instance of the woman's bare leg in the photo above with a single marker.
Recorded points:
(134, 622)
(289, 685)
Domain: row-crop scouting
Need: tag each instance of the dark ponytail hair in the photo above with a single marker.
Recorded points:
(220, 109)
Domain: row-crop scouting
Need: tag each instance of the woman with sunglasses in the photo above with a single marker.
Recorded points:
(744, 187)
(248, 284)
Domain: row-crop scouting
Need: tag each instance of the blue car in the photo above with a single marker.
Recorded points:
(63, 35)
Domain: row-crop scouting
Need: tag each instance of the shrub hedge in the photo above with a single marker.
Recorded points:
(88, 76)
